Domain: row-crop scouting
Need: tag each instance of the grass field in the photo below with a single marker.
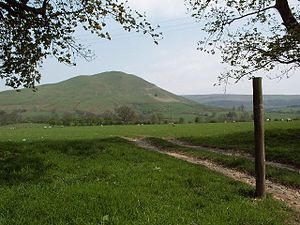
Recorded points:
(282, 138)
(282, 145)
(110, 181)
(34, 132)
(87, 175)
(279, 175)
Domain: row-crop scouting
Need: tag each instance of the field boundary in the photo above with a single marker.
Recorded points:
(230, 152)
(290, 196)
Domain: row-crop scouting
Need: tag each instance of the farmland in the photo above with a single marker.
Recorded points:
(100, 178)
(36, 132)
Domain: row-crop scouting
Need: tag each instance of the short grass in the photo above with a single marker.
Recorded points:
(282, 145)
(110, 181)
(282, 138)
(38, 132)
(278, 175)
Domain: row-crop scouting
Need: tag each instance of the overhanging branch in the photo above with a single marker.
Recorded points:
(289, 20)
(250, 14)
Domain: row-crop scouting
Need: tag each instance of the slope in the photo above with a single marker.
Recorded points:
(276, 106)
(229, 101)
(97, 94)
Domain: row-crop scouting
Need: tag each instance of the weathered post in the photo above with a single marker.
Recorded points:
(259, 135)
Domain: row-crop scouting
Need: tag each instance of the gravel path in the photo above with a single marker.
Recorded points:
(289, 195)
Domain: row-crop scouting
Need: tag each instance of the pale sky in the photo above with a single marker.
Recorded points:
(175, 64)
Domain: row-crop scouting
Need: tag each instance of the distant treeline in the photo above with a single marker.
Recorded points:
(231, 116)
(11, 117)
(120, 115)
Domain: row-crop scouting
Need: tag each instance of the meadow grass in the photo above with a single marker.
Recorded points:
(282, 138)
(38, 132)
(110, 181)
(282, 145)
(279, 175)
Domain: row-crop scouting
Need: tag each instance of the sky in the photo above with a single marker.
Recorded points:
(175, 64)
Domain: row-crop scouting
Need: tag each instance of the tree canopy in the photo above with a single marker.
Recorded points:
(252, 36)
(32, 30)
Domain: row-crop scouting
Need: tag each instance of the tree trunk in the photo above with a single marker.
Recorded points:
(289, 21)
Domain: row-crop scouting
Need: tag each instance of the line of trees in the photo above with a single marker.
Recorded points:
(11, 117)
(231, 116)
(121, 115)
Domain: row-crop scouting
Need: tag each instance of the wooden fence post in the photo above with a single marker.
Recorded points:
(259, 135)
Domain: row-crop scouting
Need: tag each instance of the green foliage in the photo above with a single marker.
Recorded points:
(251, 36)
(30, 31)
(109, 181)
(11, 117)
(125, 114)
(181, 120)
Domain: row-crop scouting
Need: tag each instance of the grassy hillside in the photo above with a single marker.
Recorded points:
(229, 101)
(276, 106)
(97, 94)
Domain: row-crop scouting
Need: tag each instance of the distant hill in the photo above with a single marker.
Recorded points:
(272, 102)
(276, 106)
(97, 94)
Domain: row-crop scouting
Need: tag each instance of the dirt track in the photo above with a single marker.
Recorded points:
(232, 153)
(289, 195)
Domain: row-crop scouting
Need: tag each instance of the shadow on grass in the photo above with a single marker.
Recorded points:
(247, 193)
(77, 148)
(31, 163)
(26, 162)
(21, 168)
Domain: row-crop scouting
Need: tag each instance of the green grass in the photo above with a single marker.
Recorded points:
(282, 138)
(37, 132)
(278, 175)
(282, 145)
(110, 181)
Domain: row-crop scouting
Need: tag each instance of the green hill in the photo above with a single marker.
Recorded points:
(230, 101)
(276, 106)
(99, 93)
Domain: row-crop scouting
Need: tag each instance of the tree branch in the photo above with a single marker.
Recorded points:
(250, 14)
(21, 7)
(289, 21)
(6, 7)
(66, 13)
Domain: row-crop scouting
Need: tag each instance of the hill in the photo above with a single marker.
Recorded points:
(230, 101)
(276, 106)
(97, 94)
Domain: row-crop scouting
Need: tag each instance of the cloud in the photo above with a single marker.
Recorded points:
(158, 8)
